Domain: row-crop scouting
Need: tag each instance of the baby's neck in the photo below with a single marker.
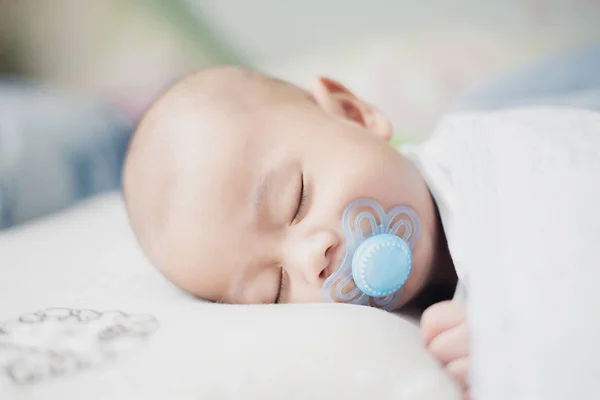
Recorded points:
(442, 271)
(442, 281)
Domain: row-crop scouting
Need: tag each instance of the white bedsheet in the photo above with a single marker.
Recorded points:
(162, 344)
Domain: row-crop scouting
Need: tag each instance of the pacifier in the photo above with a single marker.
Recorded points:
(377, 257)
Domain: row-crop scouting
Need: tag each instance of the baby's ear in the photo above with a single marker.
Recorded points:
(336, 99)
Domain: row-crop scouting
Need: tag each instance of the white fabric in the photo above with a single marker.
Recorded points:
(519, 196)
(87, 259)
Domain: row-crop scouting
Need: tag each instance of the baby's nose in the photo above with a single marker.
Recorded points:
(316, 258)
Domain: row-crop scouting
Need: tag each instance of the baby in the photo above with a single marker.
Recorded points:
(236, 183)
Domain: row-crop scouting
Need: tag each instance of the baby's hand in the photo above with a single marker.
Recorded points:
(445, 331)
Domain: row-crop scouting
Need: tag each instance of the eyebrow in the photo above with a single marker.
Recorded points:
(259, 198)
(260, 194)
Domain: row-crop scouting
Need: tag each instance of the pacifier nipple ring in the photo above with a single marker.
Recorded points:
(381, 265)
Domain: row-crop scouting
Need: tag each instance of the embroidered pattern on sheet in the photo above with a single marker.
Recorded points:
(56, 342)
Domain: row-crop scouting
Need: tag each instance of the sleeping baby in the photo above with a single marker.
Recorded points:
(241, 188)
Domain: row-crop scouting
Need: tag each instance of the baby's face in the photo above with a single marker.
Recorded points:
(260, 220)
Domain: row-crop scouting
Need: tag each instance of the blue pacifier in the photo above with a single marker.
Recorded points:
(381, 264)
(378, 255)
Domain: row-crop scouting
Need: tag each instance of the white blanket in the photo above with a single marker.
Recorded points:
(519, 196)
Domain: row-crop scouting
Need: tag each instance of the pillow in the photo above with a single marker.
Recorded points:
(85, 316)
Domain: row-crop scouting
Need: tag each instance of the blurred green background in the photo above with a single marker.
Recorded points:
(76, 75)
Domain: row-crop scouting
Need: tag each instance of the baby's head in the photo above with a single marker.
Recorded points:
(236, 182)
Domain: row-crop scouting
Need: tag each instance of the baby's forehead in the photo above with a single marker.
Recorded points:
(222, 153)
(216, 170)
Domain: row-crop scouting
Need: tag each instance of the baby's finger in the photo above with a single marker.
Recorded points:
(451, 344)
(459, 370)
(441, 317)
(467, 395)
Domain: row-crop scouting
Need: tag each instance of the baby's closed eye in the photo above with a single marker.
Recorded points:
(281, 288)
(301, 200)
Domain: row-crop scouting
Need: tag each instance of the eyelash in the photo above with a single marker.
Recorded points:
(301, 200)
(298, 212)
(281, 287)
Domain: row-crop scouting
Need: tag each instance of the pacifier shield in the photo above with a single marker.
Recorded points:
(377, 261)
(381, 265)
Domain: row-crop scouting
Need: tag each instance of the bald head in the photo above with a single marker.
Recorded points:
(189, 142)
